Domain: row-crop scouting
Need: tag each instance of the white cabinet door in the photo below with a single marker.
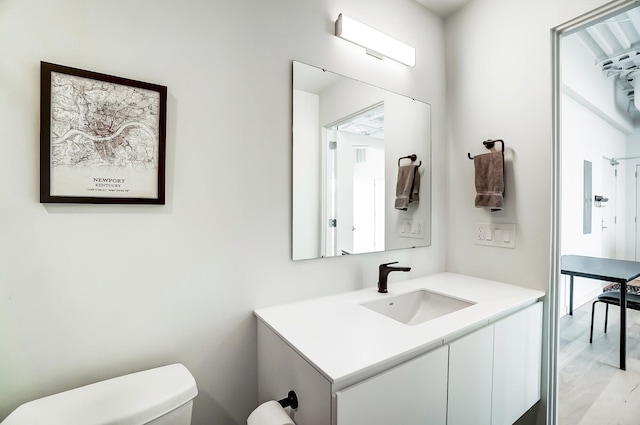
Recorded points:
(470, 363)
(414, 393)
(516, 367)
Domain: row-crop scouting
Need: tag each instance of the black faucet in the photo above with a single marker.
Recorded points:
(384, 271)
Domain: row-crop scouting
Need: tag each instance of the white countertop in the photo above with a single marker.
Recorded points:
(341, 338)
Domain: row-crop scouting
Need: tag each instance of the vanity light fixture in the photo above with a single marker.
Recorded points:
(376, 43)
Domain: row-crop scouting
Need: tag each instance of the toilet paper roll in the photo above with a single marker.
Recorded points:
(269, 413)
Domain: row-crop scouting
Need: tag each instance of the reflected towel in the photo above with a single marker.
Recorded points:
(407, 187)
(489, 180)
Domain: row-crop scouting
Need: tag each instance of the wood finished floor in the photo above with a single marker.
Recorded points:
(592, 389)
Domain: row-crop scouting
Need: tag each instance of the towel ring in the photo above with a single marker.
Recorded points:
(490, 144)
(412, 157)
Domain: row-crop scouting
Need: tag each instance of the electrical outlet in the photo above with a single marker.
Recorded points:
(502, 235)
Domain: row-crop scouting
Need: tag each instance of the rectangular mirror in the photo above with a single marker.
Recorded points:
(349, 139)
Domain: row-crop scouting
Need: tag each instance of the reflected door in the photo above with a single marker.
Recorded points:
(607, 210)
(329, 196)
(344, 195)
(368, 197)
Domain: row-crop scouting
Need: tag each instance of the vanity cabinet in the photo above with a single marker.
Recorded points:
(350, 365)
(490, 376)
(414, 393)
(494, 373)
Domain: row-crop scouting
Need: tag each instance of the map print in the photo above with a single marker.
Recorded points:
(104, 138)
(96, 124)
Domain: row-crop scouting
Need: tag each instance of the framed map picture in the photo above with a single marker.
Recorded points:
(102, 138)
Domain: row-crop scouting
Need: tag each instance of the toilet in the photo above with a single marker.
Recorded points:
(160, 396)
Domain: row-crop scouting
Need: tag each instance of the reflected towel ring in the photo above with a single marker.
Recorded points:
(412, 157)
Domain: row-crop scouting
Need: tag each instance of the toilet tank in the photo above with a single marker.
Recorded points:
(157, 396)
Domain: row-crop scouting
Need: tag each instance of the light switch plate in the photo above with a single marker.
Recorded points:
(502, 235)
(411, 228)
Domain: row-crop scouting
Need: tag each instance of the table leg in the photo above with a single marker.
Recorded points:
(571, 295)
(623, 326)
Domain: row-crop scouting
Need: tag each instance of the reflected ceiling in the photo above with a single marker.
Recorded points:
(369, 123)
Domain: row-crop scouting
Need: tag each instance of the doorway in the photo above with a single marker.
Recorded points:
(587, 130)
(354, 182)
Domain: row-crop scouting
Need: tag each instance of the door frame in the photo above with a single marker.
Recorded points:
(636, 235)
(557, 33)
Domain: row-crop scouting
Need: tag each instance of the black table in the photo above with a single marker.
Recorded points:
(609, 270)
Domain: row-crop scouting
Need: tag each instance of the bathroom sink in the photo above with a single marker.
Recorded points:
(417, 307)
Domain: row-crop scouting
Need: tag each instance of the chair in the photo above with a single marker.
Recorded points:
(611, 295)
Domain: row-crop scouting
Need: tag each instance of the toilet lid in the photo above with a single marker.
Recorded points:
(133, 399)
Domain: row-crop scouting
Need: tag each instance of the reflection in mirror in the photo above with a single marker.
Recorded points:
(348, 137)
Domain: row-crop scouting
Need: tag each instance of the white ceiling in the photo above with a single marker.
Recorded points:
(614, 43)
(613, 36)
(443, 7)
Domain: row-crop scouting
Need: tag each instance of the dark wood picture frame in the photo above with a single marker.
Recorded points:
(102, 138)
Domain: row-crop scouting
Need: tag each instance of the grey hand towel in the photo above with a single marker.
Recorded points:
(407, 187)
(489, 180)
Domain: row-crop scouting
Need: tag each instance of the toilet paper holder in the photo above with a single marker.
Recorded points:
(290, 401)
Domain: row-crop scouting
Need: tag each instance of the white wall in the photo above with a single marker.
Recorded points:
(499, 86)
(592, 127)
(306, 189)
(402, 140)
(632, 248)
(586, 137)
(90, 292)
